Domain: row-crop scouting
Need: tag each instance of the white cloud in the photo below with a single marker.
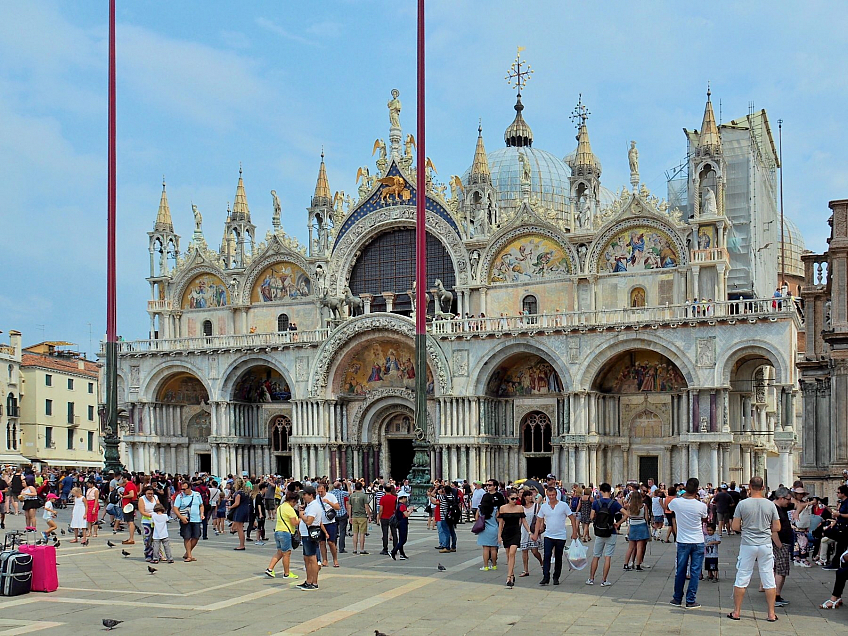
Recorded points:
(273, 27)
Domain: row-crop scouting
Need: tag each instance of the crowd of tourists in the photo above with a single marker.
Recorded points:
(536, 518)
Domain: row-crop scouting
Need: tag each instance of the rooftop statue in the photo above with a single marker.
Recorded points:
(198, 218)
(633, 159)
(394, 107)
(275, 220)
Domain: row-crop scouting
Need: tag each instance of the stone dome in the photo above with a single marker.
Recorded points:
(794, 246)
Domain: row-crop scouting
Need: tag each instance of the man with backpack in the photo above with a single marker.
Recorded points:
(605, 528)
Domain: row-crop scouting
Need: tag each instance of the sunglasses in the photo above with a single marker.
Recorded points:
(513, 498)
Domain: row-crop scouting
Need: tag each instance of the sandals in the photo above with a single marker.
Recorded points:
(523, 574)
(732, 617)
(831, 604)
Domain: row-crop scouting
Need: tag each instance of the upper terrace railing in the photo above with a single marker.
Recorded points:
(691, 312)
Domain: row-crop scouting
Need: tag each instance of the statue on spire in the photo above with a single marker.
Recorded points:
(394, 107)
(198, 219)
(275, 219)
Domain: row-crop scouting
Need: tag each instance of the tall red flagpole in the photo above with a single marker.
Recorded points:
(420, 475)
(110, 439)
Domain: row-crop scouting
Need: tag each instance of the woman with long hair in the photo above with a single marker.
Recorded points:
(489, 538)
(639, 517)
(78, 524)
(29, 495)
(240, 510)
(92, 507)
(251, 522)
(528, 546)
(512, 520)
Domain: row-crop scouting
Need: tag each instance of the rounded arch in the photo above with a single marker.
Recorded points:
(639, 371)
(536, 433)
(754, 349)
(156, 380)
(638, 296)
(275, 254)
(371, 413)
(279, 433)
(551, 240)
(492, 361)
(610, 252)
(374, 223)
(237, 367)
(344, 338)
(197, 267)
(590, 368)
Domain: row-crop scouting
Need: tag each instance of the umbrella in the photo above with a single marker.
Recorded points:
(532, 483)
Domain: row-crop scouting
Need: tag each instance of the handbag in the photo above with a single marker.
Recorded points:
(394, 522)
(534, 519)
(315, 533)
(331, 513)
(479, 524)
(295, 537)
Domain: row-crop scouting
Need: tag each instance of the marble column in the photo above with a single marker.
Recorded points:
(725, 463)
(685, 473)
(344, 462)
(665, 470)
(746, 464)
(713, 413)
(714, 478)
(694, 449)
(582, 465)
(572, 464)
(593, 464)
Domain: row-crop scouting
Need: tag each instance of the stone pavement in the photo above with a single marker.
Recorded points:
(225, 592)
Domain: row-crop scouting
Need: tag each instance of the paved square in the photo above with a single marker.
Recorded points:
(225, 592)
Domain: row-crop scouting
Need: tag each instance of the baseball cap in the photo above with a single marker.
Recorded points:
(724, 486)
(550, 476)
(309, 489)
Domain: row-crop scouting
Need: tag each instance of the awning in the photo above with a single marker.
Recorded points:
(13, 458)
(67, 463)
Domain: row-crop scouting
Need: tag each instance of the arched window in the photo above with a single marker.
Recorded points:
(283, 322)
(207, 327)
(280, 431)
(536, 434)
(530, 305)
(638, 297)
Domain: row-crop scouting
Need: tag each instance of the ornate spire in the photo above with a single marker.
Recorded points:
(322, 195)
(709, 139)
(583, 159)
(240, 210)
(518, 133)
(480, 167)
(163, 217)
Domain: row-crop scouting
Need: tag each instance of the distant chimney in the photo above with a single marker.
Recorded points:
(15, 341)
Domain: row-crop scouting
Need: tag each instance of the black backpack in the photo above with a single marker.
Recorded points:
(114, 497)
(454, 514)
(603, 522)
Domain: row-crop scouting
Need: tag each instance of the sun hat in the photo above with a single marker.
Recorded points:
(128, 508)
(52, 496)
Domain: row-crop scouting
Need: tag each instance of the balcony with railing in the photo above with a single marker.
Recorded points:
(632, 317)
(710, 255)
(159, 305)
(223, 342)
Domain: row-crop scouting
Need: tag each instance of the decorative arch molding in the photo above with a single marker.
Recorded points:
(753, 347)
(493, 359)
(503, 238)
(589, 370)
(343, 339)
(241, 364)
(199, 265)
(275, 253)
(618, 225)
(154, 381)
(392, 218)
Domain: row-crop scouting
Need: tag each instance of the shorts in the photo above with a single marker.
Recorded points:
(764, 558)
(668, 517)
(283, 541)
(782, 558)
(359, 525)
(332, 531)
(310, 547)
(722, 517)
(220, 512)
(604, 546)
(190, 530)
(129, 516)
(711, 564)
(658, 519)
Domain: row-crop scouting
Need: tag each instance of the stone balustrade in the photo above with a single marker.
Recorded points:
(159, 305)
(237, 341)
(710, 255)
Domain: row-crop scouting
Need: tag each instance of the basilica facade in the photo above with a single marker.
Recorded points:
(598, 335)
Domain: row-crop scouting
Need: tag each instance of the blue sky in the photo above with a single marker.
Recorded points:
(203, 86)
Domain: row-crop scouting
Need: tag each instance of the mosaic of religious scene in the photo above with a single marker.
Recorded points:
(640, 371)
(281, 281)
(526, 375)
(261, 384)
(385, 365)
(529, 257)
(183, 389)
(706, 237)
(636, 249)
(206, 291)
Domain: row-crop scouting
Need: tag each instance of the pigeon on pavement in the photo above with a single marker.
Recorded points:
(125, 553)
(111, 623)
(377, 632)
(62, 531)
(57, 544)
(442, 568)
(110, 544)
(150, 569)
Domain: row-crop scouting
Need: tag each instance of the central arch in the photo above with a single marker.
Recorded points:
(489, 364)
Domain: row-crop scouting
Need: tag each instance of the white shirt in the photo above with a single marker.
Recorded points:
(688, 513)
(555, 519)
(146, 505)
(328, 499)
(313, 509)
(160, 525)
(476, 496)
(657, 506)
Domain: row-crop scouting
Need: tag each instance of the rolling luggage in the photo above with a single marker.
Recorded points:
(45, 577)
(15, 573)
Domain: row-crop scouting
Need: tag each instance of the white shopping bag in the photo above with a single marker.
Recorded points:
(577, 555)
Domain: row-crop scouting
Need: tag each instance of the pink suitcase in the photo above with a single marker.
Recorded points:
(45, 577)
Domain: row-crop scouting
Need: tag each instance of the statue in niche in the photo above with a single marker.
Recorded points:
(198, 219)
(710, 207)
(394, 107)
(584, 214)
(582, 250)
(475, 261)
(320, 275)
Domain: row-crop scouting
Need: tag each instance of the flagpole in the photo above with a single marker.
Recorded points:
(420, 475)
(111, 455)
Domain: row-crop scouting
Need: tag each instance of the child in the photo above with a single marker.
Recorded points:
(49, 515)
(160, 534)
(711, 541)
(78, 524)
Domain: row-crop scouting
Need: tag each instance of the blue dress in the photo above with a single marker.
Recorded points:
(241, 514)
(489, 536)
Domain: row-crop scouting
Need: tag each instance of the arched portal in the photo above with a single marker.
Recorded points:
(261, 384)
(536, 433)
(182, 388)
(279, 432)
(387, 264)
(523, 374)
(397, 429)
(639, 371)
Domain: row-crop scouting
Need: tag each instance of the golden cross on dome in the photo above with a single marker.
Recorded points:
(519, 72)
(580, 112)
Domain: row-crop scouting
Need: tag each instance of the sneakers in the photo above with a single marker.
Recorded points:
(403, 557)
(442, 551)
(271, 573)
(693, 605)
(258, 543)
(393, 555)
(365, 552)
(494, 567)
(384, 552)
(605, 584)
(627, 568)
(485, 568)
(307, 587)
(590, 581)
(544, 582)
(556, 581)
(780, 602)
(291, 575)
(677, 603)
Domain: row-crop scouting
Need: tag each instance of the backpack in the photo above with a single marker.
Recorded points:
(114, 497)
(454, 514)
(603, 520)
(204, 496)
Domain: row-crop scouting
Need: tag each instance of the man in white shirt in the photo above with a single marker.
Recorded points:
(310, 516)
(476, 496)
(689, 513)
(551, 521)
(756, 518)
(331, 528)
